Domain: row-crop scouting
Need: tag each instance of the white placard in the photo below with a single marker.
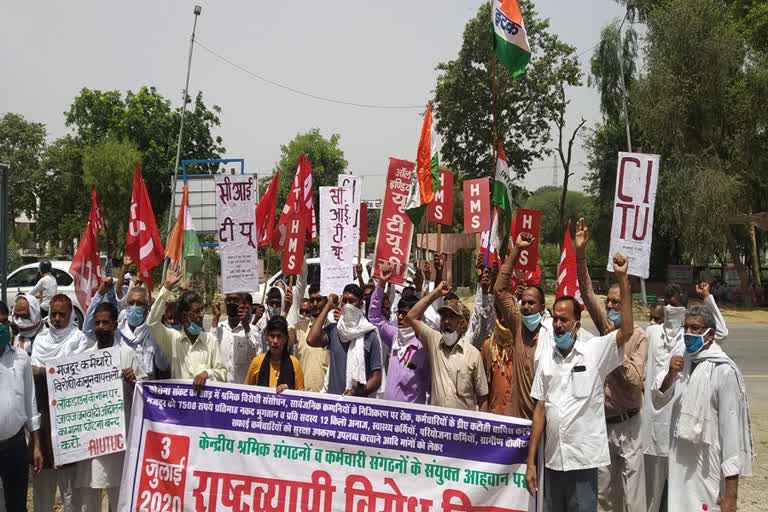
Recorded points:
(337, 245)
(632, 228)
(355, 183)
(85, 395)
(235, 210)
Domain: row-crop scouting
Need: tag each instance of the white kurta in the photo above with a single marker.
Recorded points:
(697, 472)
(237, 348)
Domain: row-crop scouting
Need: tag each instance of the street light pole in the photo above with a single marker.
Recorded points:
(197, 11)
(4, 169)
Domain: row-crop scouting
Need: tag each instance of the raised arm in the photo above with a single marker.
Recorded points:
(413, 318)
(591, 302)
(620, 266)
(89, 322)
(721, 330)
(162, 334)
(387, 331)
(502, 289)
(316, 337)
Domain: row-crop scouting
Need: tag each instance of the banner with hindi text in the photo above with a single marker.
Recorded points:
(235, 204)
(86, 405)
(338, 238)
(237, 447)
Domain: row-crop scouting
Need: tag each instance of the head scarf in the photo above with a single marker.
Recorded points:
(28, 334)
(53, 343)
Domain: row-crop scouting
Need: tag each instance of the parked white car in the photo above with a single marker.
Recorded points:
(23, 279)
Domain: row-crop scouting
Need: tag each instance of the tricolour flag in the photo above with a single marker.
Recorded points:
(567, 280)
(501, 198)
(509, 37)
(183, 245)
(426, 180)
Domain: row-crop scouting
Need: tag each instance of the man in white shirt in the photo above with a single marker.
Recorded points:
(45, 288)
(104, 474)
(239, 341)
(710, 443)
(18, 411)
(193, 354)
(61, 339)
(568, 387)
(664, 341)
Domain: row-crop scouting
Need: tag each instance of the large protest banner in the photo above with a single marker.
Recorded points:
(246, 448)
(86, 405)
(632, 228)
(393, 240)
(338, 237)
(440, 210)
(355, 184)
(235, 203)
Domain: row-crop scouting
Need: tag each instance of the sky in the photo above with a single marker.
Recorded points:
(381, 53)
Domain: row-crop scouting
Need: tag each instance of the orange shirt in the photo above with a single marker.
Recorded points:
(274, 372)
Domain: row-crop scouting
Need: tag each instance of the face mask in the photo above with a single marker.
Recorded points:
(450, 338)
(194, 329)
(24, 324)
(175, 327)
(532, 322)
(273, 311)
(615, 317)
(673, 317)
(694, 342)
(564, 341)
(351, 314)
(5, 336)
(135, 315)
(104, 338)
(232, 310)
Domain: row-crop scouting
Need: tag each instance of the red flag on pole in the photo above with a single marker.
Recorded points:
(567, 281)
(142, 242)
(86, 268)
(95, 217)
(265, 212)
(302, 200)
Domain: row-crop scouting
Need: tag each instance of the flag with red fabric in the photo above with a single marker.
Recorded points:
(301, 199)
(265, 212)
(96, 216)
(567, 280)
(142, 242)
(86, 267)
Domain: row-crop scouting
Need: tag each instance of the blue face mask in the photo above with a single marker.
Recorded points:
(565, 341)
(614, 315)
(135, 315)
(694, 342)
(194, 329)
(175, 327)
(532, 322)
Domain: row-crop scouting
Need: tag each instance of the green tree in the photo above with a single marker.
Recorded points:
(110, 165)
(547, 200)
(22, 144)
(526, 106)
(325, 155)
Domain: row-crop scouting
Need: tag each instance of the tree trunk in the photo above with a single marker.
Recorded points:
(754, 256)
(563, 195)
(746, 291)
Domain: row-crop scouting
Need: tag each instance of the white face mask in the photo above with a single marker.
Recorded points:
(24, 324)
(404, 336)
(673, 319)
(351, 314)
(450, 338)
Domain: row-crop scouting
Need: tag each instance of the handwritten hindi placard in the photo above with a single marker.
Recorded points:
(236, 447)
(235, 203)
(355, 184)
(338, 236)
(634, 202)
(86, 405)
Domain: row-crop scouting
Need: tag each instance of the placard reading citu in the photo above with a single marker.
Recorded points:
(477, 205)
(528, 221)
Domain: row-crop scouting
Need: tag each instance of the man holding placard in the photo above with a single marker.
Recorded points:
(622, 484)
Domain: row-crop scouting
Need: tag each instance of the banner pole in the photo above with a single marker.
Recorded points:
(266, 274)
(439, 239)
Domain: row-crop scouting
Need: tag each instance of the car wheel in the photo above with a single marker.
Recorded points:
(79, 318)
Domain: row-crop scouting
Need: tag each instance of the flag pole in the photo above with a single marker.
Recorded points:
(494, 155)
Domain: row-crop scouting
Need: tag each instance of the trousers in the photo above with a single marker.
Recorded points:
(14, 472)
(45, 484)
(570, 491)
(621, 486)
(656, 472)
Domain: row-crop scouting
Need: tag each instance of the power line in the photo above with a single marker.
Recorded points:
(304, 93)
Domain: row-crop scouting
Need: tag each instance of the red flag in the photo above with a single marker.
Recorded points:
(265, 212)
(567, 280)
(95, 217)
(530, 277)
(363, 222)
(86, 267)
(142, 242)
(301, 199)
